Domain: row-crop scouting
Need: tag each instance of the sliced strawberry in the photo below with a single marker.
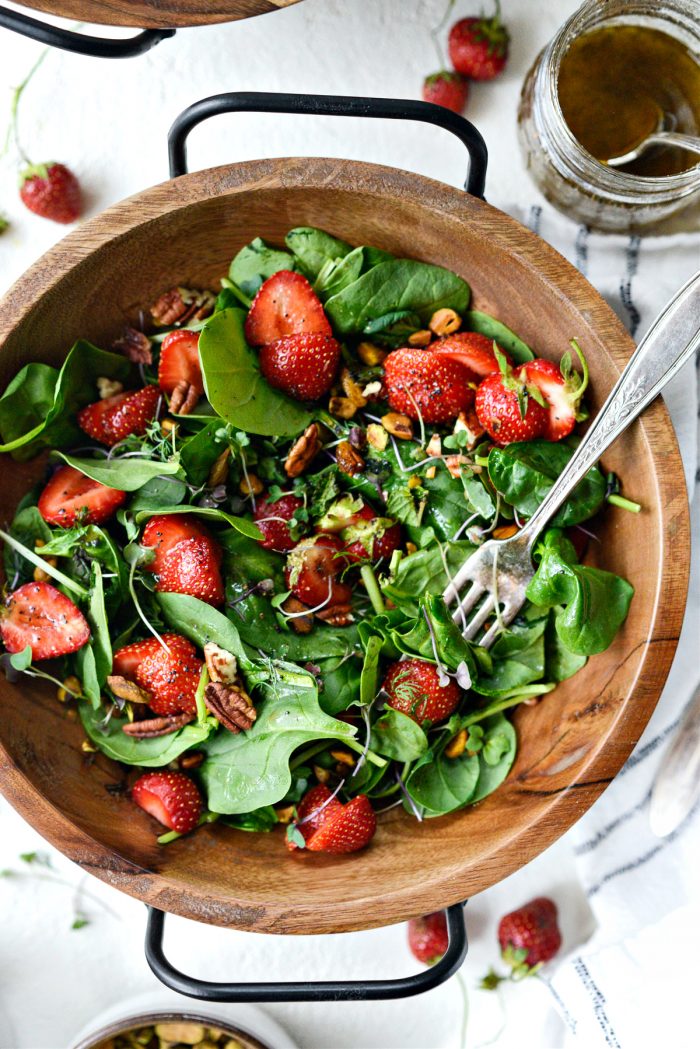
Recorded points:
(509, 407)
(39, 615)
(562, 393)
(471, 349)
(171, 676)
(170, 797)
(369, 537)
(187, 557)
(348, 829)
(422, 384)
(126, 660)
(413, 687)
(272, 520)
(191, 568)
(70, 496)
(114, 418)
(286, 304)
(313, 570)
(179, 361)
(313, 809)
(302, 366)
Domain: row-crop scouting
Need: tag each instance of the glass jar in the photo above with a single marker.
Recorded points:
(567, 174)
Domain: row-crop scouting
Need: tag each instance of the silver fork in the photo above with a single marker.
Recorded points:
(500, 570)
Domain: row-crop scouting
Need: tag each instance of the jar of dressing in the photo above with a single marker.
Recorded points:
(616, 71)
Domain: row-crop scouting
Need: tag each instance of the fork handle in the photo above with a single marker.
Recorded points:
(671, 340)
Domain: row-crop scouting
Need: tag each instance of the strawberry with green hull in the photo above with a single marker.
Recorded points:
(478, 46)
(413, 687)
(447, 89)
(475, 352)
(428, 938)
(313, 572)
(528, 937)
(39, 615)
(369, 537)
(51, 191)
(562, 389)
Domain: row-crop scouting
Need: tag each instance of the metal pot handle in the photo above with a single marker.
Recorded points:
(65, 40)
(324, 991)
(329, 105)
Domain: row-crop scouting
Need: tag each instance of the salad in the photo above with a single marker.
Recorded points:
(234, 565)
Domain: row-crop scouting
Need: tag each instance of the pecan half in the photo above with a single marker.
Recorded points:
(303, 619)
(338, 615)
(153, 727)
(108, 387)
(303, 451)
(184, 398)
(180, 305)
(231, 705)
(348, 459)
(127, 690)
(135, 346)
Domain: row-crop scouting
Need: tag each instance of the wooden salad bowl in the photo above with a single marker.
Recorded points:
(572, 743)
(156, 14)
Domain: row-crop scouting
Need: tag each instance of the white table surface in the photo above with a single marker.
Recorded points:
(108, 121)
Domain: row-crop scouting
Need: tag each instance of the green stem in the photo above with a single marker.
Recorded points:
(202, 712)
(39, 562)
(481, 460)
(54, 681)
(624, 504)
(584, 365)
(142, 615)
(242, 298)
(395, 562)
(334, 425)
(173, 835)
(12, 131)
(373, 758)
(310, 752)
(372, 586)
(495, 708)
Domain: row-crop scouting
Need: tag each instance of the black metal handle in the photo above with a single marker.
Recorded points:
(79, 44)
(330, 105)
(325, 991)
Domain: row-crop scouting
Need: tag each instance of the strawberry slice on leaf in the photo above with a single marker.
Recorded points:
(286, 304)
(187, 557)
(170, 675)
(70, 496)
(471, 349)
(114, 418)
(39, 615)
(303, 366)
(325, 824)
(413, 687)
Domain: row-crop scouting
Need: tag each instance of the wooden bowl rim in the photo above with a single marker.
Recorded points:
(565, 805)
(152, 14)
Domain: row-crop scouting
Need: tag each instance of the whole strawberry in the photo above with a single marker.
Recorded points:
(478, 47)
(528, 937)
(447, 89)
(423, 384)
(51, 191)
(508, 406)
(413, 687)
(427, 937)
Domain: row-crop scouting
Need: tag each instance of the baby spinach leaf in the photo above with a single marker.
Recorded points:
(399, 284)
(337, 274)
(369, 678)
(212, 513)
(201, 623)
(496, 756)
(340, 683)
(397, 736)
(447, 508)
(595, 602)
(519, 351)
(440, 784)
(525, 471)
(518, 669)
(149, 753)
(560, 663)
(255, 263)
(39, 406)
(393, 328)
(247, 771)
(159, 492)
(99, 645)
(27, 526)
(478, 495)
(199, 452)
(313, 248)
(235, 386)
(424, 573)
(125, 474)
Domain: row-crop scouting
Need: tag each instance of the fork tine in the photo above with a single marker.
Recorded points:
(479, 618)
(490, 635)
(507, 615)
(472, 596)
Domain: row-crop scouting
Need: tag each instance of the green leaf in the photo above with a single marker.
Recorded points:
(313, 248)
(424, 573)
(160, 491)
(560, 663)
(22, 660)
(496, 756)
(199, 452)
(27, 526)
(369, 678)
(255, 263)
(235, 386)
(99, 645)
(149, 753)
(340, 683)
(259, 821)
(124, 474)
(399, 284)
(201, 623)
(247, 771)
(594, 602)
(39, 406)
(338, 274)
(395, 735)
(525, 471)
(240, 524)
(441, 784)
(518, 351)
(519, 669)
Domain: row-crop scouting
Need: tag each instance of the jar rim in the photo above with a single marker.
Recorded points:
(623, 186)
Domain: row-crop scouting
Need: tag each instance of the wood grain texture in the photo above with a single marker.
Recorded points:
(571, 744)
(157, 14)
